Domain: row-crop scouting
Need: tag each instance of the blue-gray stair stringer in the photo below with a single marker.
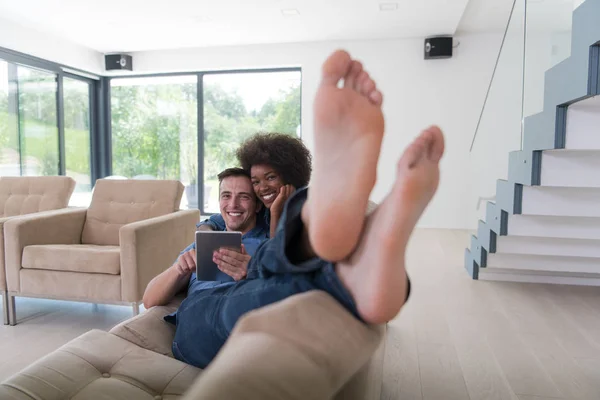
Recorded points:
(572, 80)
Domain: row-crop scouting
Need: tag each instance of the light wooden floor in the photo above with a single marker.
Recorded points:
(464, 339)
(455, 339)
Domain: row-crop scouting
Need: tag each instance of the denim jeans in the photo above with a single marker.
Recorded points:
(205, 318)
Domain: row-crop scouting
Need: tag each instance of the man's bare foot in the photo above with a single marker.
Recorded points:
(375, 273)
(348, 133)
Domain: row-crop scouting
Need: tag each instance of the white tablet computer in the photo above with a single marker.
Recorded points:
(206, 243)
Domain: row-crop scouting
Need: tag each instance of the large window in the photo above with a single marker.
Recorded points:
(239, 105)
(155, 130)
(155, 124)
(45, 122)
(38, 126)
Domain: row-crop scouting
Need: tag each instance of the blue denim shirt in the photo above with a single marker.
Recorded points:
(251, 241)
(217, 223)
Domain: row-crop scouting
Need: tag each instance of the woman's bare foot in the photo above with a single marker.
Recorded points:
(375, 273)
(348, 133)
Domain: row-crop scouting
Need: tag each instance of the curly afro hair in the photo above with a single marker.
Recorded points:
(285, 153)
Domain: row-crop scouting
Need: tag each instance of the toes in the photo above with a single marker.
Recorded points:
(351, 79)
(376, 97)
(436, 143)
(366, 85)
(336, 67)
(363, 77)
(414, 152)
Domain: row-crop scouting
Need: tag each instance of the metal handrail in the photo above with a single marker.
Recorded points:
(493, 75)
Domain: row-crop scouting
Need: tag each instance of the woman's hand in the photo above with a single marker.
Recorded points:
(285, 192)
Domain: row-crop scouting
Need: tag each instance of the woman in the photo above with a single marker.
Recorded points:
(278, 165)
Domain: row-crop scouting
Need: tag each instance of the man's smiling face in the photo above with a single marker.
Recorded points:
(238, 203)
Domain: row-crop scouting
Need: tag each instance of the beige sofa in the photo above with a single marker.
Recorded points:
(305, 347)
(27, 195)
(104, 254)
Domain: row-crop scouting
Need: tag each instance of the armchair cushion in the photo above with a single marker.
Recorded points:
(48, 227)
(30, 194)
(120, 202)
(74, 257)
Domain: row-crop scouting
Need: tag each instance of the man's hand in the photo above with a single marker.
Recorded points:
(231, 262)
(186, 263)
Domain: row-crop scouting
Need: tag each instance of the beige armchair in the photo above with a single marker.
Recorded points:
(26, 195)
(105, 254)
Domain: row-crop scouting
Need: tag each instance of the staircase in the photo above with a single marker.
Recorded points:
(545, 223)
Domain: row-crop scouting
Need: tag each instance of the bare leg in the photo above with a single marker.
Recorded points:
(348, 134)
(375, 274)
(373, 257)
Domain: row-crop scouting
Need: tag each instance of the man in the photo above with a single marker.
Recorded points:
(323, 242)
(239, 208)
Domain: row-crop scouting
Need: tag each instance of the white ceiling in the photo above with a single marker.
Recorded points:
(542, 15)
(138, 25)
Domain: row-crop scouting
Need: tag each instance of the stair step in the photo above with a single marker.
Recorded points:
(583, 120)
(586, 265)
(557, 278)
(571, 168)
(548, 246)
(561, 201)
(554, 227)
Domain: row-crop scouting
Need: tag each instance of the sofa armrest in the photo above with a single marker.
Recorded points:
(367, 383)
(151, 246)
(304, 347)
(149, 330)
(49, 227)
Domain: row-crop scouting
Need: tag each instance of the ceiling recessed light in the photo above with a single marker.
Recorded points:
(388, 6)
(290, 12)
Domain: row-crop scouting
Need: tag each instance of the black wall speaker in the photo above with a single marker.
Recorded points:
(438, 47)
(118, 61)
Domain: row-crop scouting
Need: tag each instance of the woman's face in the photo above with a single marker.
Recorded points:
(266, 183)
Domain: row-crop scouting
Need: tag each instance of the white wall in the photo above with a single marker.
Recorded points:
(417, 93)
(49, 47)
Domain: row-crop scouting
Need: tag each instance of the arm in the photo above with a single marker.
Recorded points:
(213, 223)
(164, 287)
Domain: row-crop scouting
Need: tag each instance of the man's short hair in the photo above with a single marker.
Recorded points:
(232, 172)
